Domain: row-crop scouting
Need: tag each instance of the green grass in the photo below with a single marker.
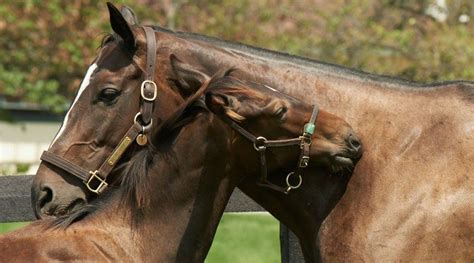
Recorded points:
(241, 237)
(7, 227)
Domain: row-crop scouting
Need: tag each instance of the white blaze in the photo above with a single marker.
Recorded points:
(84, 84)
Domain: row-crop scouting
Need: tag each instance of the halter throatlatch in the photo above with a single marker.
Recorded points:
(260, 144)
(95, 181)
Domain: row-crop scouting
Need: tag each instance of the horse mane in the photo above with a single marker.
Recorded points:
(233, 85)
(107, 38)
(136, 189)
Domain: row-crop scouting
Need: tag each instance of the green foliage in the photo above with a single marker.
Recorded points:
(45, 47)
(22, 168)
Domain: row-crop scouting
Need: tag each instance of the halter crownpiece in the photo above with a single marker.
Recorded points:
(148, 88)
(95, 181)
(260, 144)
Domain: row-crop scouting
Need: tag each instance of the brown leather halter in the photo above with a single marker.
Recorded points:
(260, 144)
(96, 181)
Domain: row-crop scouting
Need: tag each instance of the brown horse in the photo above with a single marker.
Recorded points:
(174, 191)
(409, 196)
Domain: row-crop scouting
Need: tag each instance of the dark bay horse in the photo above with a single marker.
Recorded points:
(410, 195)
(174, 191)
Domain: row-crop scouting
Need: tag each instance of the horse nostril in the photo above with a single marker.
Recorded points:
(354, 143)
(45, 196)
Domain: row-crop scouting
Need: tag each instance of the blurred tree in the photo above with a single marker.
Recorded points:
(46, 46)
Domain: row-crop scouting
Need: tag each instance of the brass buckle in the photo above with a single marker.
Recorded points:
(142, 90)
(101, 185)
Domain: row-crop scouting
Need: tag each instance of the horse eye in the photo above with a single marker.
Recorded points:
(109, 95)
(280, 112)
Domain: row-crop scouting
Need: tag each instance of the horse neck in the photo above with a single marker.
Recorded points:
(188, 188)
(357, 97)
(390, 117)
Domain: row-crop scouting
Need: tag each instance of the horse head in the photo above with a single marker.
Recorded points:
(119, 94)
(271, 114)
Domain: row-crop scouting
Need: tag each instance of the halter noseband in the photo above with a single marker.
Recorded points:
(260, 144)
(95, 180)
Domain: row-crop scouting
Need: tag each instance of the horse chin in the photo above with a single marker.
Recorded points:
(341, 163)
(62, 209)
(343, 160)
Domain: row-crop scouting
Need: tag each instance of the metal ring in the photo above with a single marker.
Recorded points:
(261, 140)
(144, 127)
(142, 90)
(293, 186)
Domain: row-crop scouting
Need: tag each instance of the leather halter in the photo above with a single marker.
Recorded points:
(260, 144)
(96, 181)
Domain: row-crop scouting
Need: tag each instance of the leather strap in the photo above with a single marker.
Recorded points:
(148, 88)
(95, 180)
(261, 144)
(268, 143)
(65, 165)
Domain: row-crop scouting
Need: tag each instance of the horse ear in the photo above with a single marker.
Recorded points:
(129, 15)
(121, 27)
(187, 77)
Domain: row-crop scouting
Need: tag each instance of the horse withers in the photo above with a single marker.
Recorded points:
(173, 191)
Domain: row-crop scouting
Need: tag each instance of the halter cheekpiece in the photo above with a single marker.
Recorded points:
(260, 144)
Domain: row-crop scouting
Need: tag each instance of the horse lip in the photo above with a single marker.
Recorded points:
(341, 159)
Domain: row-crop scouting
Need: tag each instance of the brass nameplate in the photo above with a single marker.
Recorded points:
(119, 151)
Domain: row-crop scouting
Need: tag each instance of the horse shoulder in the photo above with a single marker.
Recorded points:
(38, 243)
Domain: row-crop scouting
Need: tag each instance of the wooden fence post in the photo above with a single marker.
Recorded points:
(289, 246)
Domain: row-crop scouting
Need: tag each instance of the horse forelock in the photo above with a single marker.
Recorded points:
(108, 38)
